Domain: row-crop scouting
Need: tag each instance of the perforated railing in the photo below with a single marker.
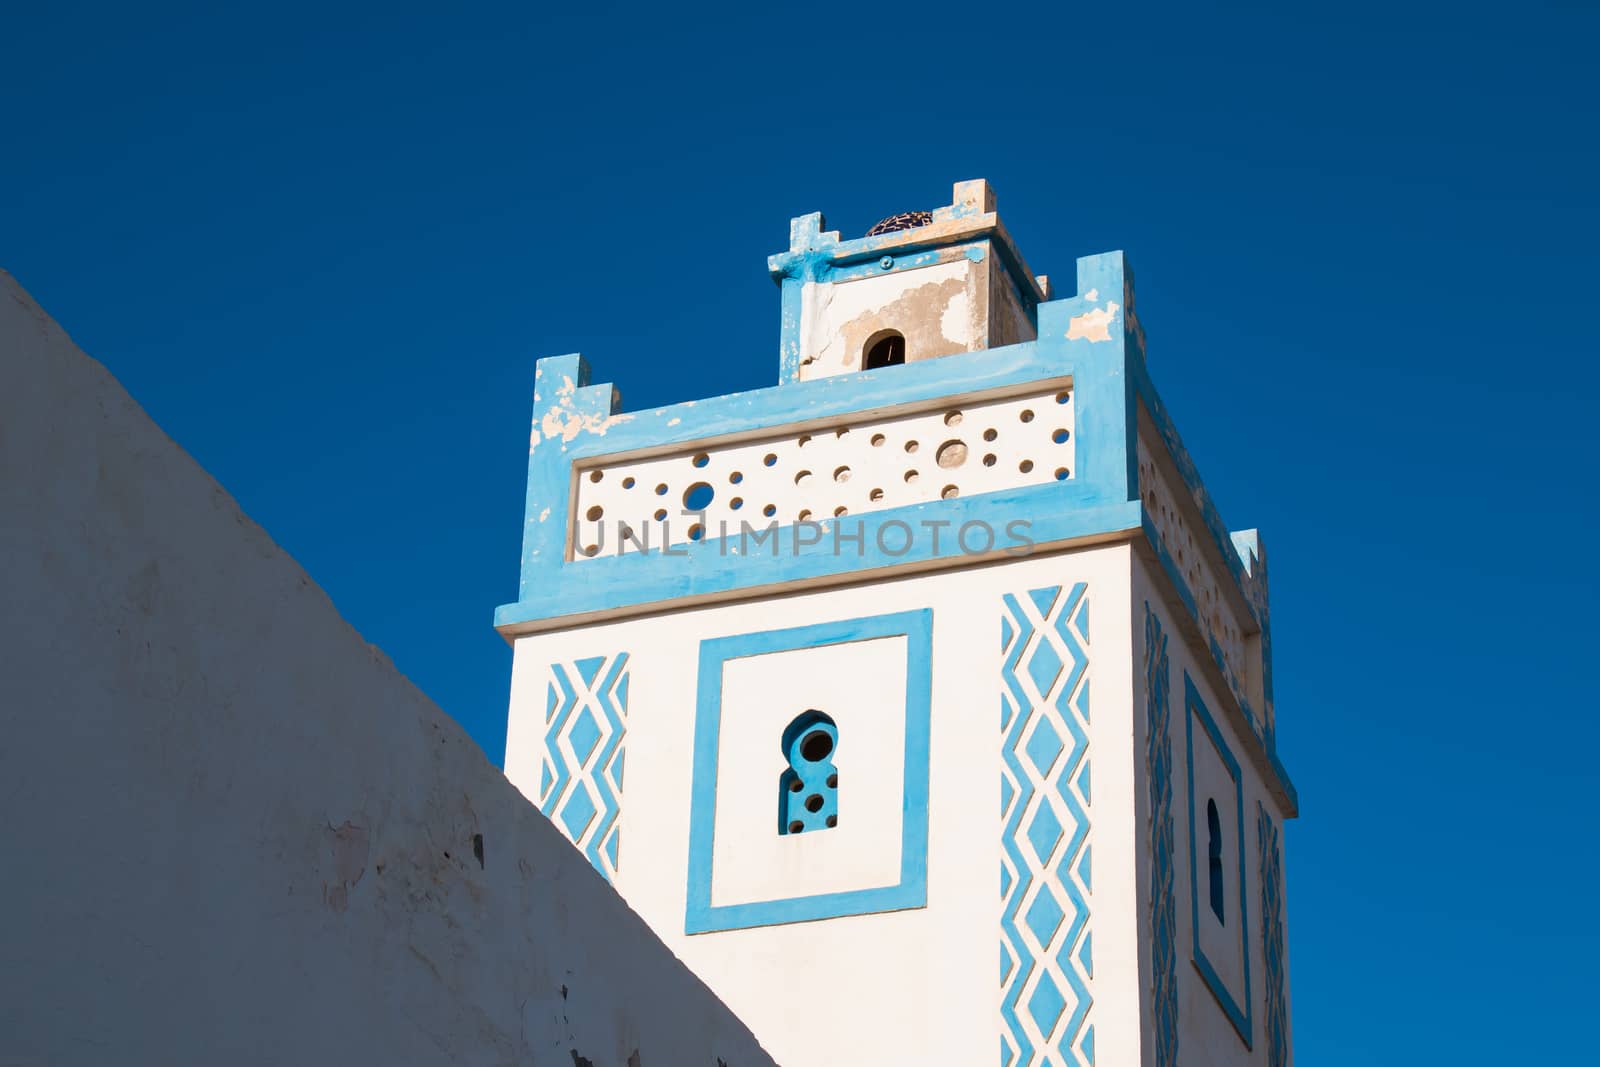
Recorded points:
(849, 468)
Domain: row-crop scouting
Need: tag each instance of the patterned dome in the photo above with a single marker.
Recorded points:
(906, 220)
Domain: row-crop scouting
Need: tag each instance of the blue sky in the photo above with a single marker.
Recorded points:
(323, 246)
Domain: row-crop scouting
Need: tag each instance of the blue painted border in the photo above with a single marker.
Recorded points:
(1239, 1016)
(912, 889)
(1099, 498)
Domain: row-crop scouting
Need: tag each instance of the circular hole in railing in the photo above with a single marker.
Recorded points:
(698, 496)
(627, 483)
(661, 490)
(876, 494)
(803, 440)
(594, 513)
(1060, 436)
(840, 512)
(701, 459)
(696, 532)
(951, 454)
(841, 474)
(911, 476)
(990, 434)
(911, 446)
(833, 780)
(952, 418)
(878, 439)
(796, 785)
(802, 477)
(736, 503)
(591, 550)
(735, 478)
(1063, 396)
(832, 821)
(805, 514)
(814, 802)
(595, 476)
(1025, 415)
(990, 460)
(1062, 474)
(769, 459)
(1025, 466)
(949, 492)
(770, 510)
(797, 827)
(661, 514)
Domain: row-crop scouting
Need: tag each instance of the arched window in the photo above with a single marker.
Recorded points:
(885, 350)
(808, 790)
(1214, 852)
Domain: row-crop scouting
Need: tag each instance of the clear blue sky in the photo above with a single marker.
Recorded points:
(323, 246)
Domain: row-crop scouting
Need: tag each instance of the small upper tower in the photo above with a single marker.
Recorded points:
(922, 702)
(919, 285)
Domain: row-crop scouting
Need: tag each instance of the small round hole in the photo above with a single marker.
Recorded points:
(816, 746)
(805, 439)
(696, 532)
(805, 514)
(591, 550)
(770, 510)
(735, 478)
(736, 503)
(990, 460)
(595, 476)
(1025, 415)
(832, 821)
(876, 494)
(1025, 466)
(949, 492)
(661, 490)
(701, 460)
(990, 434)
(1059, 436)
(833, 781)
(594, 513)
(627, 483)
(814, 802)
(1062, 474)
(796, 827)
(953, 419)
(841, 474)
(1063, 396)
(841, 431)
(661, 514)
(840, 512)
(802, 478)
(878, 439)
(796, 785)
(911, 476)
(769, 459)
(911, 446)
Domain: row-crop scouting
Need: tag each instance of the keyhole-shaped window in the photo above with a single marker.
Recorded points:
(1214, 855)
(808, 790)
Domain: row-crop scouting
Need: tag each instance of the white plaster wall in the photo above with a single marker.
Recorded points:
(910, 987)
(940, 309)
(1206, 1036)
(234, 833)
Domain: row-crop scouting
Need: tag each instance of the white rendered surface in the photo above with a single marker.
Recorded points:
(235, 834)
(908, 987)
(861, 685)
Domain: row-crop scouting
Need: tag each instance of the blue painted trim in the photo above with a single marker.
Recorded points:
(912, 889)
(1098, 499)
(1238, 1015)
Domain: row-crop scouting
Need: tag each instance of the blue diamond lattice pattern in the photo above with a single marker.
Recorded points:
(586, 718)
(1277, 1023)
(1046, 962)
(1163, 895)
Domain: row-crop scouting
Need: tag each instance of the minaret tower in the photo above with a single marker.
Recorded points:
(921, 702)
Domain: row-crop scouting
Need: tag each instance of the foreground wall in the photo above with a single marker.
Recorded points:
(233, 832)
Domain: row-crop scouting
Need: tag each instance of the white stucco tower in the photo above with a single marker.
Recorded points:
(921, 702)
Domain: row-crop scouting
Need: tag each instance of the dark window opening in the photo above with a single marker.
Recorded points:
(1214, 858)
(889, 351)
